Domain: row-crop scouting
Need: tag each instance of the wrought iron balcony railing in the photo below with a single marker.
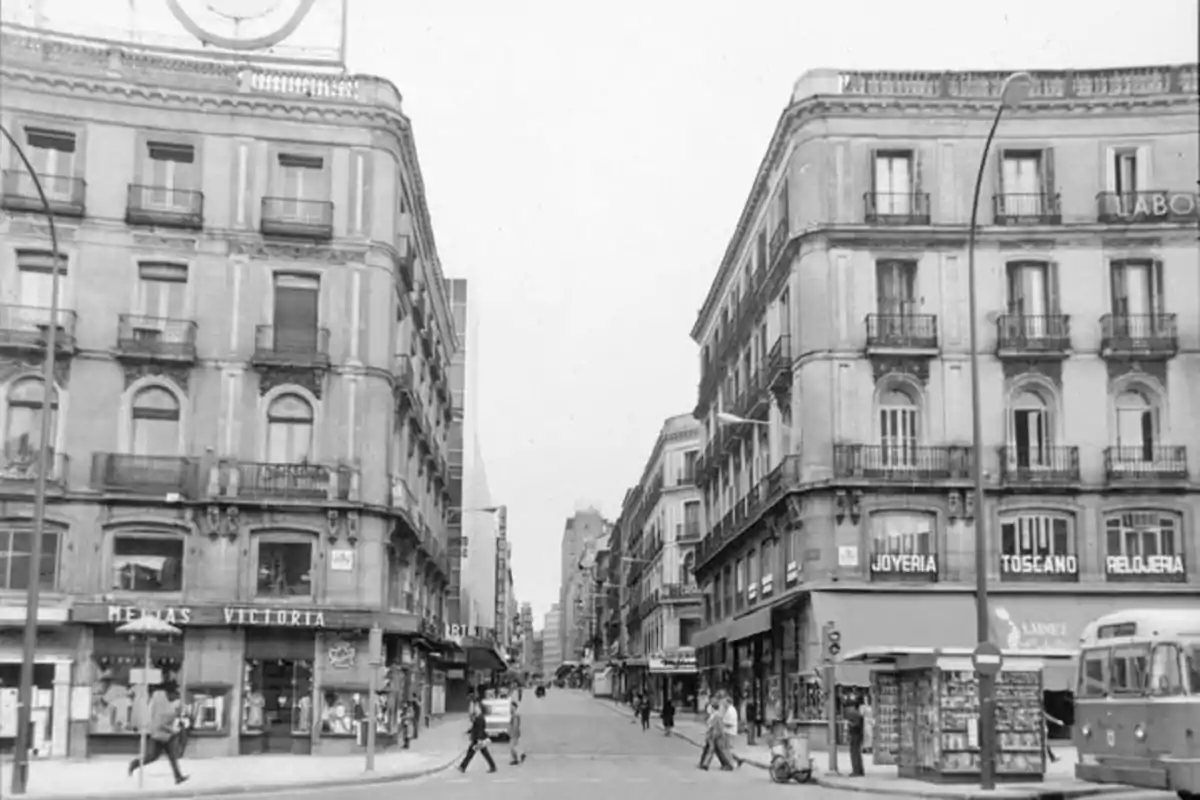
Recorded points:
(687, 531)
(902, 331)
(891, 208)
(1041, 208)
(294, 347)
(293, 217)
(901, 462)
(67, 195)
(1024, 334)
(156, 338)
(26, 328)
(145, 475)
(1039, 465)
(1139, 334)
(164, 206)
(1145, 463)
(298, 481)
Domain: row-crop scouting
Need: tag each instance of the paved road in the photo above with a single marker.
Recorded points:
(576, 744)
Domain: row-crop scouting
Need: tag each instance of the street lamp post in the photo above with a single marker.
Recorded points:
(1015, 89)
(20, 776)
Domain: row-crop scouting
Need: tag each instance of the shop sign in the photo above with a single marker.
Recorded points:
(889, 564)
(1033, 634)
(341, 560)
(228, 615)
(848, 556)
(1067, 565)
(342, 655)
(280, 617)
(1153, 206)
(792, 574)
(172, 615)
(1165, 568)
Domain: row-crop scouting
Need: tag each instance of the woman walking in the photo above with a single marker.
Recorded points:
(644, 712)
(668, 715)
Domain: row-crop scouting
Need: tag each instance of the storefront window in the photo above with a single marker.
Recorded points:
(121, 686)
(277, 697)
(341, 711)
(284, 568)
(147, 564)
(208, 708)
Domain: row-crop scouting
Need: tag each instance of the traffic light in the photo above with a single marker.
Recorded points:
(833, 640)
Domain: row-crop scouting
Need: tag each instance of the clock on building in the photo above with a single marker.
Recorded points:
(241, 24)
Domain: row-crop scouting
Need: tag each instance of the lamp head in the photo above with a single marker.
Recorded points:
(729, 419)
(1016, 88)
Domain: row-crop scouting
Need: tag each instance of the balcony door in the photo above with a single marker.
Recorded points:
(1029, 290)
(898, 431)
(1030, 433)
(1021, 174)
(895, 290)
(1135, 428)
(168, 172)
(893, 183)
(301, 179)
(297, 306)
(52, 154)
(1137, 294)
(35, 282)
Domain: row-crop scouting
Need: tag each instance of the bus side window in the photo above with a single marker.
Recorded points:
(1165, 675)
(1192, 665)
(1093, 673)
(1129, 669)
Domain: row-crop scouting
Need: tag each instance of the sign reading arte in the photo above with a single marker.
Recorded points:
(1039, 565)
(233, 616)
(1162, 566)
(888, 564)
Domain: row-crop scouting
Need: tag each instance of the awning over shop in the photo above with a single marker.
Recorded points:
(710, 635)
(751, 624)
(481, 654)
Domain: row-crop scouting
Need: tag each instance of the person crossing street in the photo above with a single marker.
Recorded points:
(516, 752)
(479, 744)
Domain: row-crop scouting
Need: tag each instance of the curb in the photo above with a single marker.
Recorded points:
(1001, 793)
(617, 710)
(272, 788)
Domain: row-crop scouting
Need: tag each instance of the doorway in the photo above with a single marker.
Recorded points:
(277, 710)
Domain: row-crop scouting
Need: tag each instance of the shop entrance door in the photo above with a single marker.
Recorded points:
(278, 705)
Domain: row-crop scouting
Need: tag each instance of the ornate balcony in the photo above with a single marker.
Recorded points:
(300, 219)
(687, 531)
(151, 476)
(779, 364)
(1143, 336)
(277, 347)
(1046, 466)
(907, 334)
(779, 482)
(888, 208)
(1154, 207)
(1042, 208)
(901, 463)
(164, 206)
(253, 480)
(156, 339)
(67, 195)
(1141, 465)
(1042, 336)
(25, 329)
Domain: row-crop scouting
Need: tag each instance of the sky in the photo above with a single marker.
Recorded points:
(585, 164)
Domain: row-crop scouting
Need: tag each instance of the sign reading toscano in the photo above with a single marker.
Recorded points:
(1039, 565)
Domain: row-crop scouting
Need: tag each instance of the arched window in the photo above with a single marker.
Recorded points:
(23, 422)
(898, 432)
(155, 428)
(1135, 428)
(1029, 431)
(289, 430)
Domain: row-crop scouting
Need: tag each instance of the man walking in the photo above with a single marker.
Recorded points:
(713, 734)
(479, 743)
(855, 725)
(729, 727)
(517, 755)
(163, 720)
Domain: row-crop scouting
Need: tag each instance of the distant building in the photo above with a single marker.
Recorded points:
(525, 619)
(580, 535)
(538, 666)
(552, 655)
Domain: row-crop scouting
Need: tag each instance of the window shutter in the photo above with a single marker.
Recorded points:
(873, 168)
(1110, 169)
(1052, 295)
(1049, 183)
(1117, 278)
(1157, 302)
(1143, 169)
(915, 182)
(999, 156)
(1016, 295)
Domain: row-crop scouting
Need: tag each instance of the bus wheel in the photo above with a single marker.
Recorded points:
(1188, 796)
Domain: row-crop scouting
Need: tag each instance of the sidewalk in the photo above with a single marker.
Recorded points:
(437, 748)
(1059, 781)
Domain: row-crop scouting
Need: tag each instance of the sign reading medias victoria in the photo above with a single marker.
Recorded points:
(231, 616)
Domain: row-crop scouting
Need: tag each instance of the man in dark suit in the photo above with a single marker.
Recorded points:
(479, 743)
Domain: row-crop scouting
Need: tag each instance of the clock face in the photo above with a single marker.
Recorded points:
(240, 24)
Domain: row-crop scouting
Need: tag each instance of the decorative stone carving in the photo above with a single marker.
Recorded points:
(177, 374)
(221, 521)
(276, 251)
(281, 375)
(899, 365)
(1051, 369)
(1119, 368)
(340, 523)
(31, 363)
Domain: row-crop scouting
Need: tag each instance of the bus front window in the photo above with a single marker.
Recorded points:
(1165, 676)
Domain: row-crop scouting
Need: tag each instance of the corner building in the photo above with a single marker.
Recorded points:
(250, 416)
(838, 318)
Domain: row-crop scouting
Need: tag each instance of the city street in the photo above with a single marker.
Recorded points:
(580, 745)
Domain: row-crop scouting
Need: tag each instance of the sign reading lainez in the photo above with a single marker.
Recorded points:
(232, 615)
(1039, 565)
(1148, 566)
(888, 564)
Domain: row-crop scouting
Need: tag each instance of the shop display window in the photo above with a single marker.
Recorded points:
(341, 711)
(120, 702)
(208, 708)
(277, 696)
(284, 568)
(147, 564)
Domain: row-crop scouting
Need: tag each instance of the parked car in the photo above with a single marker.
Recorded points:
(497, 713)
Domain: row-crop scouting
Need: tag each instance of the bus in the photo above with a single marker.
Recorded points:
(1137, 702)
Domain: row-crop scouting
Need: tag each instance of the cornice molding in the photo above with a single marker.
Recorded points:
(799, 113)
